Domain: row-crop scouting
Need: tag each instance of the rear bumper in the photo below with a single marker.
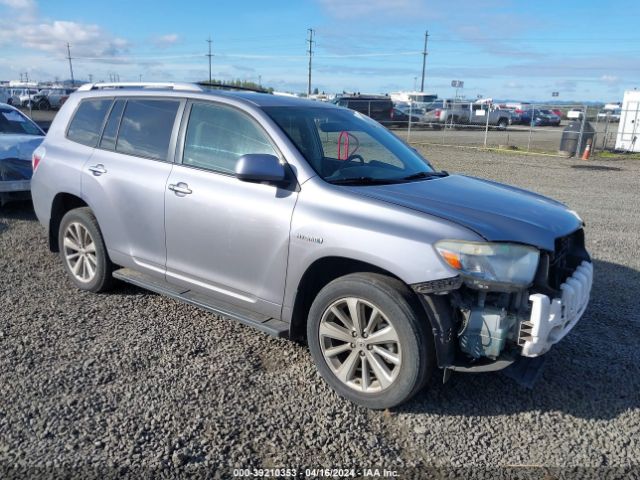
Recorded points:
(15, 186)
(552, 319)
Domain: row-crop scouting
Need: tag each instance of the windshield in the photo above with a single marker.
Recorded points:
(12, 121)
(342, 145)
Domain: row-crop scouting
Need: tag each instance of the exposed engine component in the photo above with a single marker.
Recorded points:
(485, 331)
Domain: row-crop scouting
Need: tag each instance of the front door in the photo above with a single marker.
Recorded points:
(226, 238)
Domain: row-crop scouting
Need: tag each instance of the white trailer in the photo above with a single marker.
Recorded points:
(629, 128)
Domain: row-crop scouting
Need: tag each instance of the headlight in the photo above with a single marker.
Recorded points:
(491, 262)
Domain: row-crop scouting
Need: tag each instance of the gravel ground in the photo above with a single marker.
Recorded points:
(134, 383)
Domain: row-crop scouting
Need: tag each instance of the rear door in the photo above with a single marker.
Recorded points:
(226, 238)
(125, 179)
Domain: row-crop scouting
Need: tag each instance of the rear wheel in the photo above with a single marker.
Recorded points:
(83, 252)
(503, 123)
(369, 340)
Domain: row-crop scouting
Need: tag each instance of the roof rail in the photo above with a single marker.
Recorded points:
(224, 86)
(190, 87)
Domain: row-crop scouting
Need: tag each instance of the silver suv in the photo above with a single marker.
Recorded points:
(311, 222)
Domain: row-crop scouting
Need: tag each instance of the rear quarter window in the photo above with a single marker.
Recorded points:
(86, 125)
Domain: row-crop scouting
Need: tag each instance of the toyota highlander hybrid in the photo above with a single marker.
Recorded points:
(312, 222)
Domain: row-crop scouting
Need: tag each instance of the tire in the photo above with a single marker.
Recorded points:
(408, 355)
(503, 123)
(84, 254)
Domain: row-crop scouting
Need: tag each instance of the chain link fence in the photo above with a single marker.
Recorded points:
(526, 127)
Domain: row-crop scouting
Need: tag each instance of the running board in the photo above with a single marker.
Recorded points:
(263, 323)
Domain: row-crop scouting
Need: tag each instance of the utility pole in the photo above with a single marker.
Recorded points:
(209, 55)
(424, 59)
(70, 65)
(310, 40)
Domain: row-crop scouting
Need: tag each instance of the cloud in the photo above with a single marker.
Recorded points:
(52, 36)
(19, 4)
(164, 41)
(25, 28)
(23, 10)
(610, 79)
(345, 9)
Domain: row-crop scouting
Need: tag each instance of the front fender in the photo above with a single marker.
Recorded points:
(331, 222)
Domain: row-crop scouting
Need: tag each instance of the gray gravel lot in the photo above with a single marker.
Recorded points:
(131, 382)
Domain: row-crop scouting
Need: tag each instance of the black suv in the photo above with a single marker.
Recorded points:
(378, 107)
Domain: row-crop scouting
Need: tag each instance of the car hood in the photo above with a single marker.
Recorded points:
(15, 155)
(496, 212)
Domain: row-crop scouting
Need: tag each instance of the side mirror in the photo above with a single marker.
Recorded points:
(260, 167)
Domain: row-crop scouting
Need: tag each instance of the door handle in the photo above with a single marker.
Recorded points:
(97, 170)
(180, 188)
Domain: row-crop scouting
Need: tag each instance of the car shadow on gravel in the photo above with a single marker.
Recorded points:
(22, 210)
(592, 373)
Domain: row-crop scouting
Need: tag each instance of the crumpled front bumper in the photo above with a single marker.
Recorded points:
(552, 319)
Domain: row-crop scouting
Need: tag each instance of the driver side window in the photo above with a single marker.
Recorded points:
(218, 135)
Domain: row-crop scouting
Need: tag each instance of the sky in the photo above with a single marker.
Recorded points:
(503, 49)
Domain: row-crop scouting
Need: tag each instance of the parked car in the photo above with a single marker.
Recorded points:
(401, 115)
(309, 221)
(4, 95)
(19, 137)
(610, 115)
(21, 96)
(465, 113)
(57, 96)
(378, 107)
(544, 117)
(575, 114)
(558, 112)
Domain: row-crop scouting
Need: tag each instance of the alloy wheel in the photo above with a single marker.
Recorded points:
(360, 345)
(80, 252)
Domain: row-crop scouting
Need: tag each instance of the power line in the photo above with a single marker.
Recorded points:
(70, 64)
(310, 40)
(424, 59)
(209, 55)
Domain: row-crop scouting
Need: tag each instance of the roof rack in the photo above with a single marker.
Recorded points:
(224, 86)
(190, 87)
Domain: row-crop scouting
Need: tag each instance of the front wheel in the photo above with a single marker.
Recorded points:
(369, 339)
(83, 252)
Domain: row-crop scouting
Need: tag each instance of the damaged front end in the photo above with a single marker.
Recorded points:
(509, 301)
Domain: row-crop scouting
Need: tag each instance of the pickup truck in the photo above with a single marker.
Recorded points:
(457, 114)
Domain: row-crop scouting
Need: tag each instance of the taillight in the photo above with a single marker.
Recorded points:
(37, 156)
(437, 113)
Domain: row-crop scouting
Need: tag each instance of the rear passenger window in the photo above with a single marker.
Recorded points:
(111, 128)
(146, 126)
(87, 122)
(217, 136)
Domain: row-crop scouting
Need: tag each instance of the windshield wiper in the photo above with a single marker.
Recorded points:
(363, 181)
(419, 175)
